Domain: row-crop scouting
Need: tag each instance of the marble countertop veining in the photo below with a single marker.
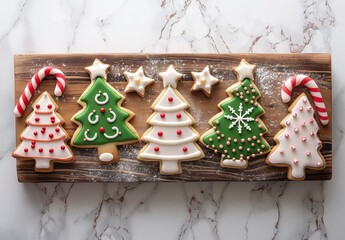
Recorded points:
(279, 210)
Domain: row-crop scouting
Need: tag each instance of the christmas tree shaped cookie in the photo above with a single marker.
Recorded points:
(44, 140)
(171, 139)
(103, 123)
(237, 131)
(298, 146)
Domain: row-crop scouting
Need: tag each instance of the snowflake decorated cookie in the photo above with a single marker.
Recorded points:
(44, 139)
(204, 81)
(171, 139)
(237, 131)
(137, 82)
(102, 123)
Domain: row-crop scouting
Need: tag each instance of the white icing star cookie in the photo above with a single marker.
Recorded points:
(170, 77)
(204, 81)
(98, 69)
(244, 70)
(137, 81)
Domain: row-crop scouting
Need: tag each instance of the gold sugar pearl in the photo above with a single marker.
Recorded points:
(253, 90)
(258, 150)
(254, 137)
(249, 139)
(233, 150)
(218, 138)
(248, 149)
(221, 146)
(210, 139)
(222, 135)
(213, 146)
(229, 138)
(241, 97)
(223, 155)
(261, 134)
(253, 144)
(262, 146)
(251, 101)
(242, 140)
(242, 84)
(218, 132)
(245, 88)
(253, 155)
(225, 151)
(228, 143)
(251, 85)
(235, 140)
(253, 97)
(260, 126)
(215, 150)
(237, 94)
(258, 141)
(246, 100)
(247, 92)
(240, 147)
(241, 156)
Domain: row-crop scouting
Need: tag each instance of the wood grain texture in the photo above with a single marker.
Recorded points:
(272, 71)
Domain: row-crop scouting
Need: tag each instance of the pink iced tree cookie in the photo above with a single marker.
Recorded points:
(298, 146)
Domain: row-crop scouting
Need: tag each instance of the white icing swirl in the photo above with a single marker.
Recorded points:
(111, 120)
(93, 121)
(101, 102)
(114, 135)
(90, 139)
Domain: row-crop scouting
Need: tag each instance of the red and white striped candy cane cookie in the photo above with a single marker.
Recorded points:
(33, 84)
(314, 90)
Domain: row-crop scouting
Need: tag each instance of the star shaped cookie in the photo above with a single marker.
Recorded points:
(244, 70)
(137, 82)
(98, 69)
(204, 81)
(170, 77)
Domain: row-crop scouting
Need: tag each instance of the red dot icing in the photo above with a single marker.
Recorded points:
(57, 130)
(185, 149)
(63, 147)
(51, 135)
(35, 133)
(38, 106)
(40, 150)
(26, 149)
(32, 145)
(170, 99)
(49, 106)
(101, 129)
(102, 110)
(162, 115)
(33, 142)
(160, 133)
(179, 132)
(37, 119)
(156, 149)
(178, 115)
(51, 150)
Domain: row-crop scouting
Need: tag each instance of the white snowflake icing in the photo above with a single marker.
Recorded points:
(239, 118)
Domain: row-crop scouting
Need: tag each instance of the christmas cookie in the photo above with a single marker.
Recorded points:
(298, 146)
(237, 131)
(102, 123)
(204, 81)
(171, 139)
(137, 82)
(44, 139)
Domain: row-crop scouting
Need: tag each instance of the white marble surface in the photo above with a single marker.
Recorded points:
(299, 210)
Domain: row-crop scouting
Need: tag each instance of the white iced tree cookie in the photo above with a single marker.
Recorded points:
(298, 146)
(171, 139)
(44, 140)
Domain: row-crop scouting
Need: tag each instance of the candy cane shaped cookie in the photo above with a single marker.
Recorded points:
(33, 84)
(314, 90)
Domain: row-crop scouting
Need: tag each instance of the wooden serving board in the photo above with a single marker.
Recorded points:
(272, 71)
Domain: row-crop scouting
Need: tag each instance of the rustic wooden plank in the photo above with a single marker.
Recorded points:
(272, 70)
